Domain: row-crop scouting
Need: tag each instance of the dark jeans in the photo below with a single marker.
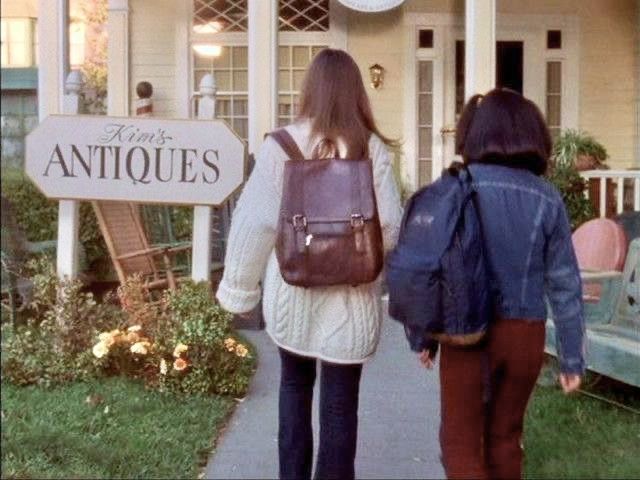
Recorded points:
(481, 430)
(339, 386)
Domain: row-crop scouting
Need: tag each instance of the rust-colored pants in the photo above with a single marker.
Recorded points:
(481, 428)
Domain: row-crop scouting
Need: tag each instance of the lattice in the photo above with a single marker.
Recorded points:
(304, 15)
(212, 16)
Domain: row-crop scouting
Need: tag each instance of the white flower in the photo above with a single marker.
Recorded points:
(100, 349)
(163, 367)
(141, 348)
(180, 349)
(134, 328)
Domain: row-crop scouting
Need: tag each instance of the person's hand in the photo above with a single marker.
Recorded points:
(425, 359)
(570, 382)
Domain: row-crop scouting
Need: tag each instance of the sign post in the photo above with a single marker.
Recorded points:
(201, 250)
(68, 210)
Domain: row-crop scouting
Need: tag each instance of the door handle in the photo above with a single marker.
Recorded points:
(447, 130)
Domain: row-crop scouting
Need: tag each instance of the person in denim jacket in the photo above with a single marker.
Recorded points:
(506, 145)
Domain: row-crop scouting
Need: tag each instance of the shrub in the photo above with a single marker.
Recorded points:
(182, 343)
(38, 215)
(572, 186)
(569, 149)
(53, 345)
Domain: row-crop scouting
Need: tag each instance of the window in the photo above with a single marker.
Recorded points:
(76, 44)
(230, 71)
(554, 39)
(214, 16)
(292, 65)
(18, 42)
(425, 121)
(303, 15)
(219, 46)
(554, 97)
(425, 38)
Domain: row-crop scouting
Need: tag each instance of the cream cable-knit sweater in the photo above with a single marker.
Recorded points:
(338, 324)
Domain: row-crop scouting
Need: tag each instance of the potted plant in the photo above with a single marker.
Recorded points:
(581, 150)
(573, 152)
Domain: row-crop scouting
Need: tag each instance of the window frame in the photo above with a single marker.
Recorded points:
(335, 37)
(29, 41)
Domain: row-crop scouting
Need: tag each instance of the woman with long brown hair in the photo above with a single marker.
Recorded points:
(338, 325)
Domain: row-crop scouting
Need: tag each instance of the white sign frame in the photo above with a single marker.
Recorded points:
(208, 170)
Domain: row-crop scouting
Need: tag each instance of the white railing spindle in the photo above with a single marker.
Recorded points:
(603, 196)
(620, 195)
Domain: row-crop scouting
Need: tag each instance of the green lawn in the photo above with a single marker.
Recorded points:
(125, 432)
(582, 437)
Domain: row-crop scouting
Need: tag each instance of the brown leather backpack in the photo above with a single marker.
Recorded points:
(328, 231)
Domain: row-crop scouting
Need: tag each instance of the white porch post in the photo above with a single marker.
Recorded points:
(480, 46)
(118, 58)
(53, 54)
(201, 247)
(263, 57)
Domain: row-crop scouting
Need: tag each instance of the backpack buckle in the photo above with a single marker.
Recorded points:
(299, 222)
(357, 220)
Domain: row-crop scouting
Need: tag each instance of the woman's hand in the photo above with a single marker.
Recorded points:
(426, 359)
(570, 382)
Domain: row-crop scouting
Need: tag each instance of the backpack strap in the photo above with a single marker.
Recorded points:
(287, 143)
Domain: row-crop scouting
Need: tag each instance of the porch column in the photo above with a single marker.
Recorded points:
(263, 69)
(480, 47)
(53, 55)
(118, 58)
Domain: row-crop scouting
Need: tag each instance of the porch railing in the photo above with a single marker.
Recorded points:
(613, 191)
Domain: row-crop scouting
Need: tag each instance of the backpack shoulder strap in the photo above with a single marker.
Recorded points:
(287, 143)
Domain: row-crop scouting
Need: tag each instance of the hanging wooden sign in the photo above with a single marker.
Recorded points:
(147, 160)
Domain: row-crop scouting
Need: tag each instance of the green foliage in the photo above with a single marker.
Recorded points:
(218, 362)
(572, 186)
(94, 67)
(183, 343)
(567, 150)
(52, 346)
(182, 222)
(38, 216)
(572, 143)
(109, 428)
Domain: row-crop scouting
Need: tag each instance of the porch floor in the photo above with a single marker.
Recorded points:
(398, 418)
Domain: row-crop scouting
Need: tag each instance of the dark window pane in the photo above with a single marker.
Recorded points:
(425, 39)
(554, 39)
(509, 65)
(459, 76)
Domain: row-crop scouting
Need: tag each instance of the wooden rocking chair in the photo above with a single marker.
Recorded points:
(123, 231)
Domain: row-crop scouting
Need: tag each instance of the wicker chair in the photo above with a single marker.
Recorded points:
(124, 233)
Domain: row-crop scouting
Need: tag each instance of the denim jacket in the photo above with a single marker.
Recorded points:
(530, 254)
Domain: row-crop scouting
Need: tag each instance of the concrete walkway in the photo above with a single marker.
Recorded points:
(399, 417)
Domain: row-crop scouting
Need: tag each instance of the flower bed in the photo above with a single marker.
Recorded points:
(183, 342)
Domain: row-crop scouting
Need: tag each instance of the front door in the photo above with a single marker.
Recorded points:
(517, 68)
(536, 55)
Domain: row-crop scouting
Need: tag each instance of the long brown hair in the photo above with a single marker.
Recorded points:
(333, 97)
